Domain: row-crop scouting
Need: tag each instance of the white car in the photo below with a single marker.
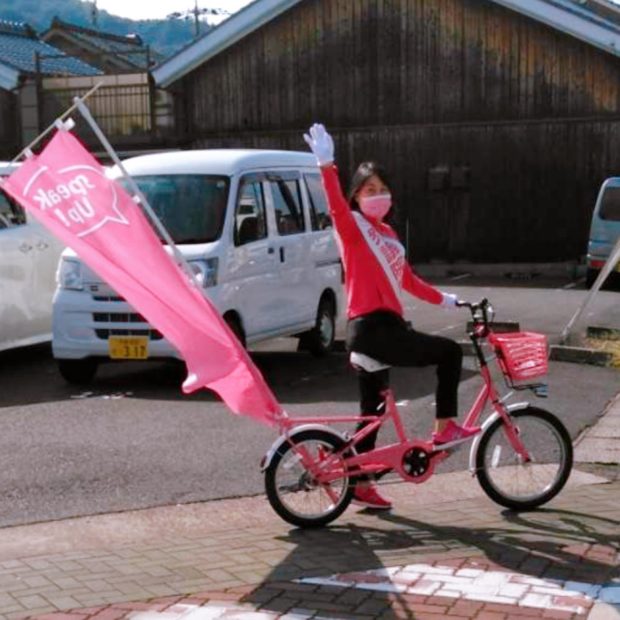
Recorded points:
(254, 226)
(28, 260)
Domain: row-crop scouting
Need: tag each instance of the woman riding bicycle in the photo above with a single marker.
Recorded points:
(375, 274)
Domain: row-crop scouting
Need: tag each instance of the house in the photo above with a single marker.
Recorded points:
(603, 8)
(132, 113)
(498, 119)
(24, 59)
(111, 53)
(39, 81)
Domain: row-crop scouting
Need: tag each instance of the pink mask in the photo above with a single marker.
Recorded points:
(375, 207)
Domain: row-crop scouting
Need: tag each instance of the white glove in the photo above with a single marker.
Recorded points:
(449, 300)
(321, 144)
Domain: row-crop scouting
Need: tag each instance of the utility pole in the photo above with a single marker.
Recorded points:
(196, 21)
(94, 13)
(195, 13)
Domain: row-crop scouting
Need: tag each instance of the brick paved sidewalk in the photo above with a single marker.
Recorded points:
(445, 551)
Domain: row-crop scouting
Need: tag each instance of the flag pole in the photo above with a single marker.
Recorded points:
(42, 135)
(181, 260)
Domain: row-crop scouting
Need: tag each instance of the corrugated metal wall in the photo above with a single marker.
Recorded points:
(498, 130)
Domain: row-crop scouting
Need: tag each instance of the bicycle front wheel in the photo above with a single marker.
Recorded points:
(504, 475)
(293, 492)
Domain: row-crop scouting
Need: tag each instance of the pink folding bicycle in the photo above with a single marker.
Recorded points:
(522, 457)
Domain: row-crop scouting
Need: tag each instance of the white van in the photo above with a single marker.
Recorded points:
(253, 224)
(28, 259)
(604, 228)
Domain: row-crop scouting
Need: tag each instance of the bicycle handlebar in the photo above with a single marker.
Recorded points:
(480, 311)
(473, 305)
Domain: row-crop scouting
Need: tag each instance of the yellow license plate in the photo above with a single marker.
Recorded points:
(128, 347)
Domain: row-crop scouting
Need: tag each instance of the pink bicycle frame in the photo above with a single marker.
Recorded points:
(390, 457)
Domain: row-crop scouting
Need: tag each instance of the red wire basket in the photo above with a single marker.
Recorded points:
(522, 355)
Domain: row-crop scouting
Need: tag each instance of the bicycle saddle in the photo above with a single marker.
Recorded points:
(367, 363)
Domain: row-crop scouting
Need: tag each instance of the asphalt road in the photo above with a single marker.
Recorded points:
(132, 440)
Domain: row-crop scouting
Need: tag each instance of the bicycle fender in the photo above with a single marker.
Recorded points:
(474, 445)
(266, 460)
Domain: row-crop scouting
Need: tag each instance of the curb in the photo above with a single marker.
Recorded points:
(580, 355)
(512, 271)
(499, 327)
(563, 353)
(597, 443)
(557, 353)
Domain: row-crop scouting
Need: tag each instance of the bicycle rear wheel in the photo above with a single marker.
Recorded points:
(293, 492)
(519, 485)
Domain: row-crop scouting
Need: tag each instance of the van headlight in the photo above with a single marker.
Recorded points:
(205, 270)
(70, 275)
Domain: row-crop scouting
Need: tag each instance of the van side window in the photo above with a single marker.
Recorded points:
(319, 213)
(610, 205)
(250, 221)
(11, 214)
(287, 206)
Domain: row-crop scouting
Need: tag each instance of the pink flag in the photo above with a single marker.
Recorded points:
(66, 189)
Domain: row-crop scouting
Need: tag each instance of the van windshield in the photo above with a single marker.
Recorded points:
(610, 205)
(190, 206)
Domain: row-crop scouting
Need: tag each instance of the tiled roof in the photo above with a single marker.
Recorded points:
(603, 8)
(19, 45)
(576, 18)
(130, 48)
(597, 11)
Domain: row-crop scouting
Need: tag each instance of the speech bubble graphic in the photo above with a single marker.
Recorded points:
(80, 197)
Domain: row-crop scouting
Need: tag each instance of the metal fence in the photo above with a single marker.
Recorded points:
(122, 111)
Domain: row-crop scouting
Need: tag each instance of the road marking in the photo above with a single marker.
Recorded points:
(572, 284)
(446, 328)
(212, 611)
(460, 277)
(475, 584)
(466, 583)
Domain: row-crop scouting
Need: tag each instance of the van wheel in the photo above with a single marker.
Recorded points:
(235, 327)
(320, 340)
(77, 372)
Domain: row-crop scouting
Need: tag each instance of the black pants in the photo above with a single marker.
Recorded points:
(386, 337)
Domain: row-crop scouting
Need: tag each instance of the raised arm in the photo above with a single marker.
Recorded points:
(322, 145)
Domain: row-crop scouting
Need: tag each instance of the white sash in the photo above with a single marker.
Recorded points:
(389, 252)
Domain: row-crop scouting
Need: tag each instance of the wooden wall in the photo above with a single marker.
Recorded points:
(498, 130)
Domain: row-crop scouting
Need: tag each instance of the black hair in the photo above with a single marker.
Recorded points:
(364, 171)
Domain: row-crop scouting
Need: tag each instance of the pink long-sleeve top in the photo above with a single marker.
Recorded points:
(374, 259)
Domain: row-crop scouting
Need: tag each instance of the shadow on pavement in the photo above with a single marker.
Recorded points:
(551, 544)
(294, 377)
